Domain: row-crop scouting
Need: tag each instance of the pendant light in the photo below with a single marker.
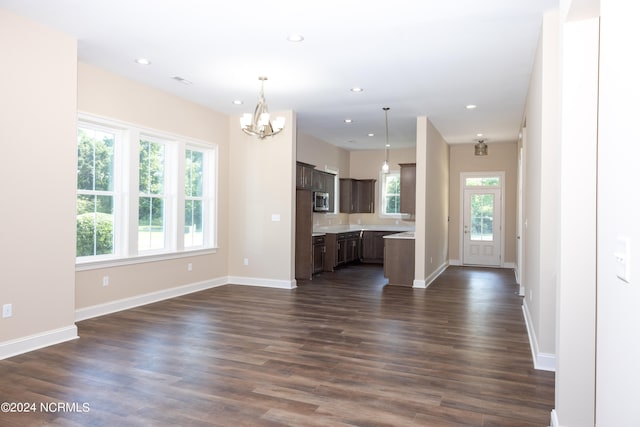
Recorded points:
(385, 165)
(481, 148)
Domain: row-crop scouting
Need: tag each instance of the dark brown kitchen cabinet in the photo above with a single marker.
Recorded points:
(319, 250)
(357, 195)
(342, 248)
(304, 176)
(372, 246)
(325, 182)
(304, 230)
(408, 188)
(399, 261)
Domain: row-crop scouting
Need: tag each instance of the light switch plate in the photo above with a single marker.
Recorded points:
(623, 259)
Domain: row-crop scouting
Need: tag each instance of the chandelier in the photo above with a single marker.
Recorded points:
(481, 149)
(385, 165)
(259, 123)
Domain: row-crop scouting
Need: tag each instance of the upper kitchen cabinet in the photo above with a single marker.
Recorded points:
(408, 188)
(304, 176)
(357, 195)
(325, 182)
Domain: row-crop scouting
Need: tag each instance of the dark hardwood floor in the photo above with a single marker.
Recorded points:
(340, 350)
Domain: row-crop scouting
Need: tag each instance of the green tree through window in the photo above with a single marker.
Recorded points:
(94, 200)
(391, 193)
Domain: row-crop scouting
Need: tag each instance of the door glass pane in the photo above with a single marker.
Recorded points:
(482, 217)
(482, 181)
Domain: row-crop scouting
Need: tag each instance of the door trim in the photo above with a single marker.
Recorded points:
(464, 175)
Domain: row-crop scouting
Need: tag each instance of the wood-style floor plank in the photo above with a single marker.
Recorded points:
(340, 350)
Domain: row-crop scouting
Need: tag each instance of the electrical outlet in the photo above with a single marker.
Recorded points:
(105, 280)
(189, 267)
(7, 310)
(246, 261)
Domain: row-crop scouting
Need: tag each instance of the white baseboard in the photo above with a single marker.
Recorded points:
(505, 265)
(138, 300)
(423, 284)
(34, 342)
(265, 283)
(554, 419)
(541, 361)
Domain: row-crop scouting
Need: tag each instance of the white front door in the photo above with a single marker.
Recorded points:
(482, 227)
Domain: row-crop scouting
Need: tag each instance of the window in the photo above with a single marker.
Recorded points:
(95, 225)
(151, 200)
(194, 200)
(336, 189)
(482, 181)
(128, 198)
(390, 194)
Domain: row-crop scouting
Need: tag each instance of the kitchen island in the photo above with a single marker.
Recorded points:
(399, 258)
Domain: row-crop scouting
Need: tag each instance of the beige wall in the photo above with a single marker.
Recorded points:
(323, 155)
(502, 157)
(112, 96)
(262, 184)
(367, 164)
(37, 178)
(432, 203)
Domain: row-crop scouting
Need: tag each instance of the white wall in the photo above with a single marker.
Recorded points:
(541, 195)
(576, 298)
(37, 183)
(618, 323)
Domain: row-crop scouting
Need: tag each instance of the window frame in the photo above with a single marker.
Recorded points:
(382, 198)
(126, 176)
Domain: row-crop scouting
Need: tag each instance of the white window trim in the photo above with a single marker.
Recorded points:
(336, 190)
(381, 213)
(126, 202)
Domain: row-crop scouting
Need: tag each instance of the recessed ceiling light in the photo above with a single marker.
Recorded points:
(295, 38)
(478, 134)
(142, 61)
(471, 106)
(182, 80)
(356, 89)
(371, 134)
(348, 120)
(237, 102)
(387, 145)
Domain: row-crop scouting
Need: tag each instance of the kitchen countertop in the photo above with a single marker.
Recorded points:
(319, 231)
(405, 235)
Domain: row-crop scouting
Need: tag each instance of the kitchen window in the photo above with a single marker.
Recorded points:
(142, 193)
(390, 194)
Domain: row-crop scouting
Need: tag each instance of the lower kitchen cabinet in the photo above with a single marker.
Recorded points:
(341, 248)
(319, 250)
(373, 246)
(399, 261)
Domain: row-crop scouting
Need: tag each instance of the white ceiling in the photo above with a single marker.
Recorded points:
(418, 57)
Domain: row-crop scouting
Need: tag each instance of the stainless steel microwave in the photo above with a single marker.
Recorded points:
(320, 201)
